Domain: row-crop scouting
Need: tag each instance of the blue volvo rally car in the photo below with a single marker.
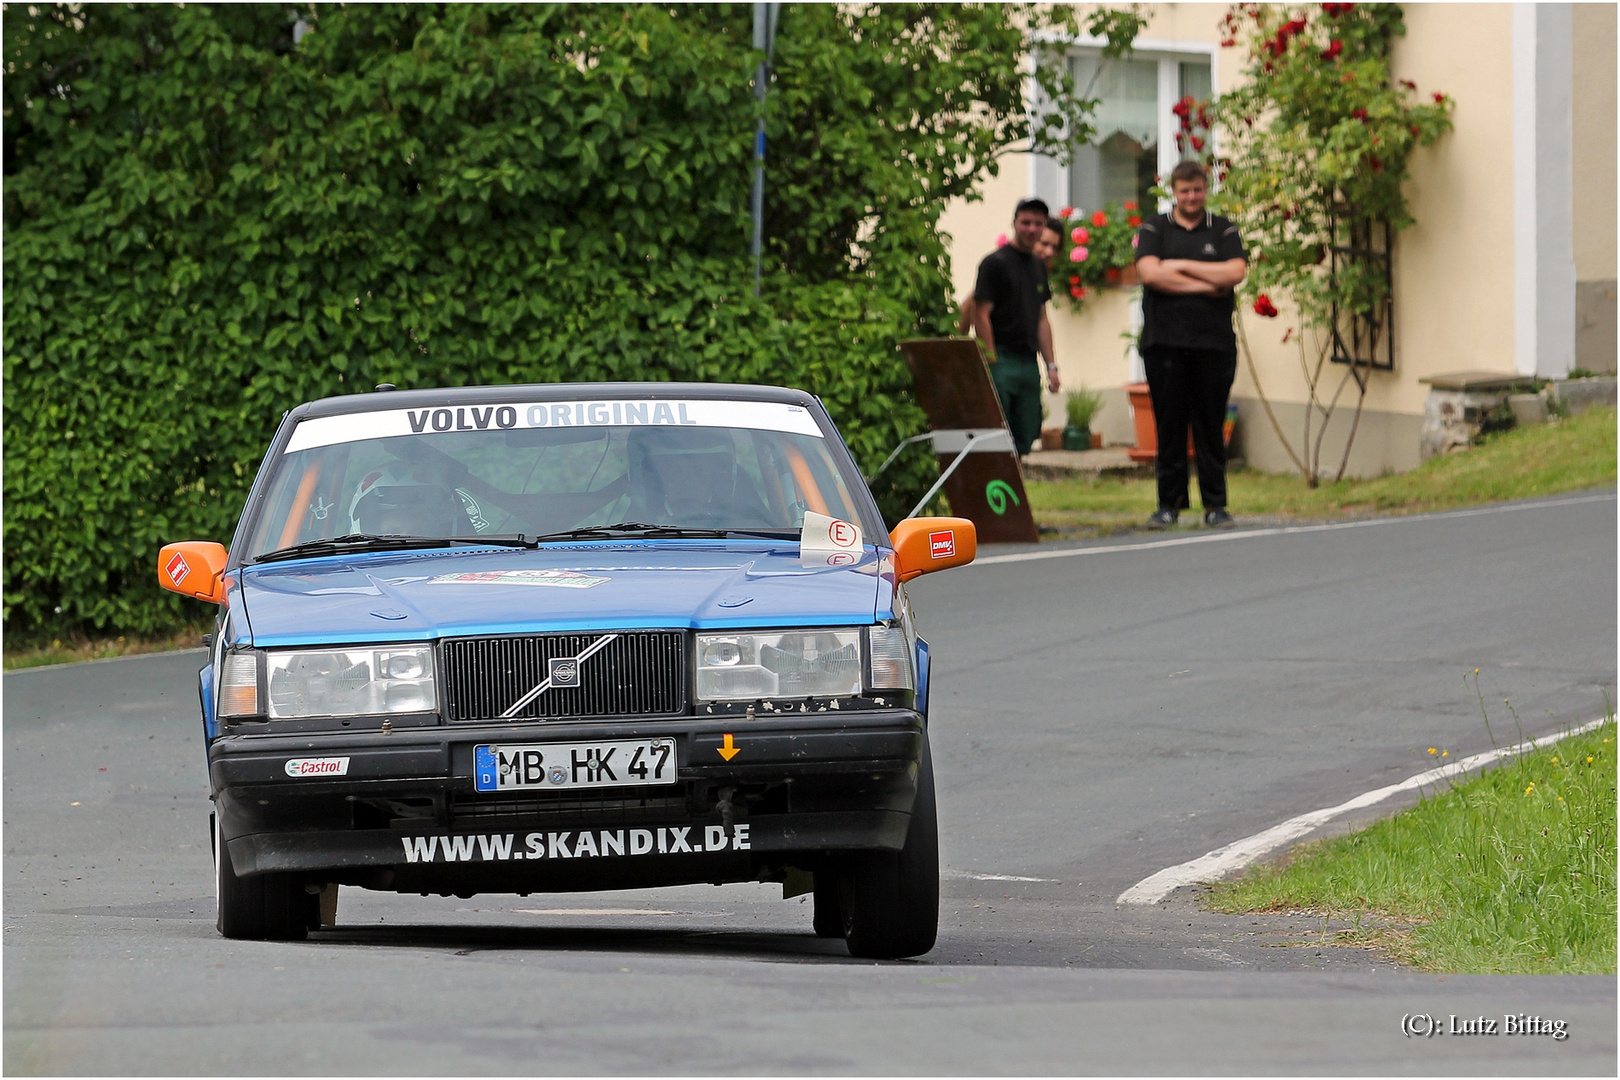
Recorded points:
(552, 638)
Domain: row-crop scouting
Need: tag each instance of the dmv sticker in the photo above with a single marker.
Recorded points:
(942, 545)
(554, 579)
(177, 569)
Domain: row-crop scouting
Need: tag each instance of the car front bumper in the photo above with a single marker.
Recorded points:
(406, 815)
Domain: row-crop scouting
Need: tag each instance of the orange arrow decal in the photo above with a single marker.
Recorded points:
(728, 751)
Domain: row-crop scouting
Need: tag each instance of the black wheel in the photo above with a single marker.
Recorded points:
(828, 919)
(266, 907)
(890, 899)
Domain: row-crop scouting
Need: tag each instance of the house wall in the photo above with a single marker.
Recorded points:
(1454, 269)
(1594, 122)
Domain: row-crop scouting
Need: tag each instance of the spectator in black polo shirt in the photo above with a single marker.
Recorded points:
(1189, 261)
(1009, 313)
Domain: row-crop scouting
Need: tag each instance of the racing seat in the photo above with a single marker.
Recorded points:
(689, 476)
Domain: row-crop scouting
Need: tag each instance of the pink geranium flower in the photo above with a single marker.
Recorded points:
(1079, 254)
(1080, 235)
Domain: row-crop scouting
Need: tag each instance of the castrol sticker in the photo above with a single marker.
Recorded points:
(942, 545)
(177, 568)
(318, 766)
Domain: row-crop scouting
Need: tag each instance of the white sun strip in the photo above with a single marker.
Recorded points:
(523, 416)
(1286, 530)
(1234, 856)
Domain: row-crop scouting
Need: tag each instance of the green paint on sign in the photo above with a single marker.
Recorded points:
(997, 492)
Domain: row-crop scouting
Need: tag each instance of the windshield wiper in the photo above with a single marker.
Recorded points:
(632, 528)
(340, 545)
(767, 534)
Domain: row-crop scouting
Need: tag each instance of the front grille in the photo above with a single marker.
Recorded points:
(638, 673)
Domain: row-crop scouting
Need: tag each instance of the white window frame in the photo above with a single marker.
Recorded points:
(1050, 181)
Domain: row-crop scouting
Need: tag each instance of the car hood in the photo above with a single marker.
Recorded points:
(417, 595)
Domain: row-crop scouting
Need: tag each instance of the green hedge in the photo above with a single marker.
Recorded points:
(208, 223)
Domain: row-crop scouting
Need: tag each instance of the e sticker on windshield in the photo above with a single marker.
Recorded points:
(554, 579)
(389, 423)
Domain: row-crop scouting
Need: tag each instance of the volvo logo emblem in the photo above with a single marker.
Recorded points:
(564, 671)
(561, 672)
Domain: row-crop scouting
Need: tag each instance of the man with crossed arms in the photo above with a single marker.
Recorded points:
(1189, 261)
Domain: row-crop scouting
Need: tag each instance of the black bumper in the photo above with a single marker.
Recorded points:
(406, 815)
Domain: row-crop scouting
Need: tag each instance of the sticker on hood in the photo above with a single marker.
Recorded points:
(823, 533)
(828, 541)
(554, 579)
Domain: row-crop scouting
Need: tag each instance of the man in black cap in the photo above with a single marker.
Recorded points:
(1189, 261)
(1009, 313)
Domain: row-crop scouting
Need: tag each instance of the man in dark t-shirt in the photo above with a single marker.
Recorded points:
(1009, 314)
(1189, 261)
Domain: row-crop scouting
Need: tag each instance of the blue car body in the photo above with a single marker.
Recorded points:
(805, 782)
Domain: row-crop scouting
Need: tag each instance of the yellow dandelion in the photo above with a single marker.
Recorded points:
(1531, 788)
(1432, 750)
(1560, 798)
(1445, 753)
(1476, 671)
(1555, 761)
(1589, 759)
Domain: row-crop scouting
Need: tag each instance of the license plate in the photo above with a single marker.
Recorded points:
(525, 767)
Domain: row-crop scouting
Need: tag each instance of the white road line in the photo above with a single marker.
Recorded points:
(1234, 856)
(952, 872)
(1281, 530)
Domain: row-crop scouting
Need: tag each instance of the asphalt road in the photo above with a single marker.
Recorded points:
(1096, 718)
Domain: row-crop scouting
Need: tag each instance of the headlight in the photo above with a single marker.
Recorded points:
(778, 664)
(351, 682)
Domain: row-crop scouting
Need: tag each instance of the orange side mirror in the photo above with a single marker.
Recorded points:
(923, 545)
(193, 568)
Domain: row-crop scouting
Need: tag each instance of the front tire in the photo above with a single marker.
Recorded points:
(265, 907)
(890, 899)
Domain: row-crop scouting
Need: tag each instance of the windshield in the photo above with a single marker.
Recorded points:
(546, 468)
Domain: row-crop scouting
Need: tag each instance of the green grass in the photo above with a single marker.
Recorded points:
(1509, 872)
(76, 649)
(1570, 455)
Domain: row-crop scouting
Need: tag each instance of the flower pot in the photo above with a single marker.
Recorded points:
(1147, 437)
(1076, 438)
(1096, 440)
(1122, 277)
(1051, 438)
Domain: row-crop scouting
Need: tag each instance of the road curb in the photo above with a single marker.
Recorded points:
(1214, 865)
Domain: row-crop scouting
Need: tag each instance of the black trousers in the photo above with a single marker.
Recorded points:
(1190, 386)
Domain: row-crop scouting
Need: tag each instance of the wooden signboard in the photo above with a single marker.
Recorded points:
(986, 487)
